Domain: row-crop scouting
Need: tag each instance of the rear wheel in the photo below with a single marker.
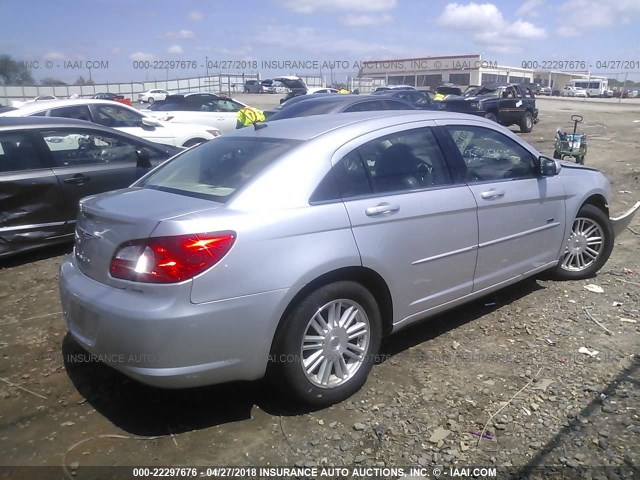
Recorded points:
(151, 100)
(589, 245)
(526, 123)
(580, 160)
(327, 344)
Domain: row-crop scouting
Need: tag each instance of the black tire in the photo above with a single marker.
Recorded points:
(287, 360)
(556, 155)
(193, 142)
(581, 159)
(151, 100)
(591, 216)
(526, 123)
(491, 116)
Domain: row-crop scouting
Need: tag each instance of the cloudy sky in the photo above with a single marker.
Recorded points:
(120, 32)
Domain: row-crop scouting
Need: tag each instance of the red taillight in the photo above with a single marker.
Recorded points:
(170, 259)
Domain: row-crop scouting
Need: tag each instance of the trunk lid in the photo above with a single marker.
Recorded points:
(108, 220)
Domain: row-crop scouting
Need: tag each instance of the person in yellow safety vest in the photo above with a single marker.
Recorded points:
(248, 116)
(343, 90)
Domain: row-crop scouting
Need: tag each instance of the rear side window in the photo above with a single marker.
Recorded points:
(79, 112)
(17, 153)
(215, 170)
(367, 106)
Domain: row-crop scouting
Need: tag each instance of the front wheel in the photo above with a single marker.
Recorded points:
(588, 247)
(328, 343)
(556, 155)
(151, 100)
(491, 116)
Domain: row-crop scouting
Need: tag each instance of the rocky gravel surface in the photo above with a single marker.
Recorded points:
(540, 379)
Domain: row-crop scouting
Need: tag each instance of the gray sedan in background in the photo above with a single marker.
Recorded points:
(292, 248)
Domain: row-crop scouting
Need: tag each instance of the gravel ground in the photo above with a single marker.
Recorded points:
(498, 383)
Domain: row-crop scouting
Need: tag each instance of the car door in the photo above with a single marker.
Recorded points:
(88, 161)
(226, 113)
(413, 221)
(128, 120)
(511, 105)
(521, 215)
(31, 203)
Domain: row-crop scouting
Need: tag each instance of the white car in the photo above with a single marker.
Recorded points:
(580, 92)
(570, 91)
(120, 117)
(151, 96)
(198, 108)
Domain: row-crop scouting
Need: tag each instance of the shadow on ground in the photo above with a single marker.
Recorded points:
(150, 411)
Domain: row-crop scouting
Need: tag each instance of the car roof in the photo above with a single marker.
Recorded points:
(41, 106)
(306, 128)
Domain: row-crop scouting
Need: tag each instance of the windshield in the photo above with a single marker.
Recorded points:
(494, 92)
(216, 169)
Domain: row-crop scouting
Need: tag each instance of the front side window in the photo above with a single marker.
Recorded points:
(17, 153)
(75, 147)
(117, 117)
(490, 155)
(215, 170)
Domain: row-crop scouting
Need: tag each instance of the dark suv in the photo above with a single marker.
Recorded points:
(507, 104)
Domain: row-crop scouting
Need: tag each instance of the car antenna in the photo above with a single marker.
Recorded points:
(259, 125)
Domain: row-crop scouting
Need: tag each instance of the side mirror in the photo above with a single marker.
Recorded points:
(149, 122)
(548, 166)
(144, 161)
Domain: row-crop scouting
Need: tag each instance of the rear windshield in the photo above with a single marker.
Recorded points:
(216, 169)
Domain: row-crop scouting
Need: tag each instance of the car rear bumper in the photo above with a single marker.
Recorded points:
(163, 339)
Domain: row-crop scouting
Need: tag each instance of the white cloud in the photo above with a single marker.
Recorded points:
(568, 31)
(482, 17)
(489, 27)
(195, 16)
(115, 51)
(360, 6)
(184, 34)
(365, 20)
(529, 8)
(587, 14)
(142, 56)
(524, 31)
(175, 50)
(54, 56)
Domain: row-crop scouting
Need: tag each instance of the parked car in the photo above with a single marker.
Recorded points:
(198, 108)
(120, 117)
(114, 97)
(507, 104)
(330, 103)
(544, 91)
(419, 99)
(580, 92)
(292, 249)
(47, 164)
(568, 91)
(386, 88)
(151, 96)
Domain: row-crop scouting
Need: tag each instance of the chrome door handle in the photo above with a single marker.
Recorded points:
(492, 194)
(381, 209)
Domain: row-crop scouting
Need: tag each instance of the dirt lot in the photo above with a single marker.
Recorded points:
(425, 404)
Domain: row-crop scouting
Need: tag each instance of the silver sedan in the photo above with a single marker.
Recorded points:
(293, 247)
